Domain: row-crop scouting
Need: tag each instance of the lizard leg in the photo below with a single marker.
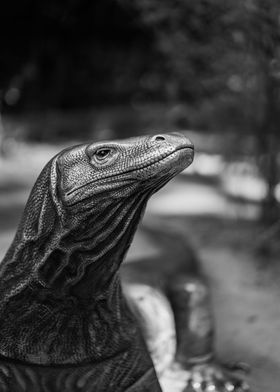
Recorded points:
(155, 317)
(189, 297)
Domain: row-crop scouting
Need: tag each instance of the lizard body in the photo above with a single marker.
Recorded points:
(61, 302)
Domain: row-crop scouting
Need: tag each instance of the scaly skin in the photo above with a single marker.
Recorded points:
(65, 325)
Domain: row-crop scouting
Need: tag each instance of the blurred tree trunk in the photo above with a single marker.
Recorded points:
(268, 147)
(263, 35)
(2, 131)
(268, 138)
(268, 142)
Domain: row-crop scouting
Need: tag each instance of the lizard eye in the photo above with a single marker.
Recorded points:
(102, 153)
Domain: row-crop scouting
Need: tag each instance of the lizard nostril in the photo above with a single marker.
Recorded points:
(158, 138)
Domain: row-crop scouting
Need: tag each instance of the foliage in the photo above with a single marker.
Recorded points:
(220, 60)
(69, 54)
(227, 52)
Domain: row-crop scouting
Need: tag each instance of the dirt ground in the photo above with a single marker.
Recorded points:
(245, 290)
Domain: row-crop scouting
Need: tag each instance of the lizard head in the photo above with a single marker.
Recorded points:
(117, 170)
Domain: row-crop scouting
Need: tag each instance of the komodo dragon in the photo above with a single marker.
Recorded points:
(65, 323)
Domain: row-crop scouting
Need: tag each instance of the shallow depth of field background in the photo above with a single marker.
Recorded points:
(78, 70)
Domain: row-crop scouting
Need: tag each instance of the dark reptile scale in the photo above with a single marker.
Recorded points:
(133, 373)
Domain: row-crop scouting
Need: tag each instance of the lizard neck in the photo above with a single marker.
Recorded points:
(79, 258)
(85, 261)
(77, 296)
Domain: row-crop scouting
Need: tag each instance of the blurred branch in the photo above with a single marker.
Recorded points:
(2, 136)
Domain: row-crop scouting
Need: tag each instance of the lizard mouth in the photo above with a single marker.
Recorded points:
(160, 159)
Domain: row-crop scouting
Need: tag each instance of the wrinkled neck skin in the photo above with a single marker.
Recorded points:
(89, 255)
(75, 287)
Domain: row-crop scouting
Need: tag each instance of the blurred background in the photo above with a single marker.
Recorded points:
(80, 70)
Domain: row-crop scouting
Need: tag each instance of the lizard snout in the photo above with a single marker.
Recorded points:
(176, 140)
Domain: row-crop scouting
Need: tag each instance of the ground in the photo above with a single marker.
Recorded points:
(245, 289)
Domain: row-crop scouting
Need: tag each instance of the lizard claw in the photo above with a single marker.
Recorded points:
(212, 378)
